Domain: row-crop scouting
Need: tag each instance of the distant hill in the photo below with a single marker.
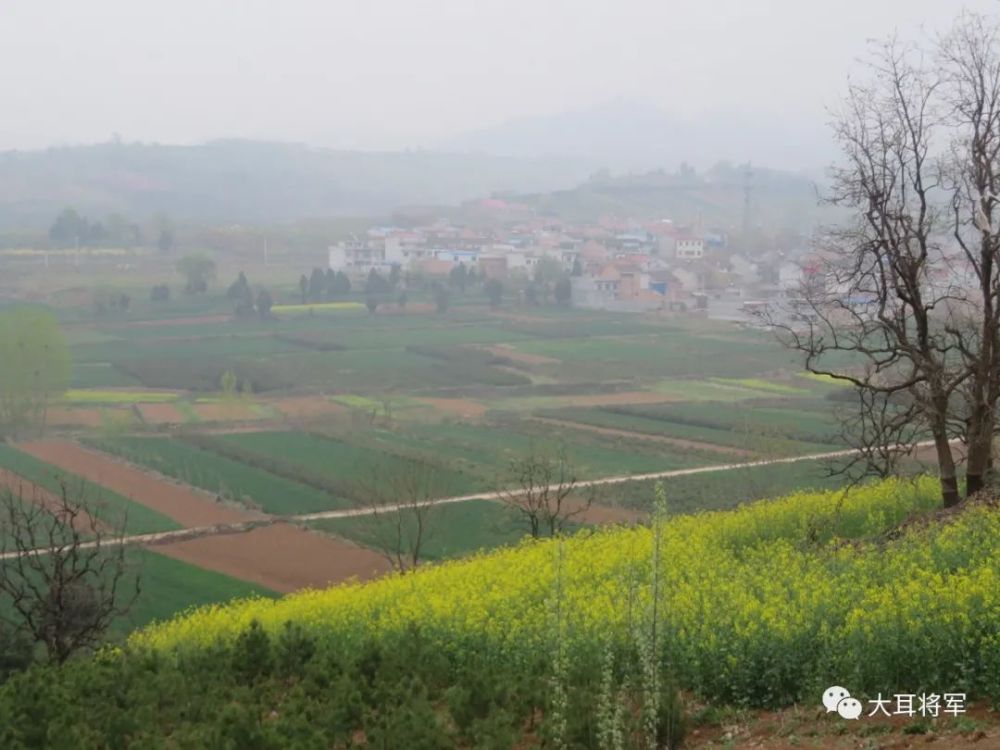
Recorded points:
(252, 182)
(715, 197)
(632, 135)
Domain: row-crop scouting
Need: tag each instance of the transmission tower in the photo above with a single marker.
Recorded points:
(747, 198)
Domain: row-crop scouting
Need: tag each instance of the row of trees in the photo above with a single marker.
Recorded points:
(906, 306)
(34, 368)
(245, 302)
(71, 229)
(322, 285)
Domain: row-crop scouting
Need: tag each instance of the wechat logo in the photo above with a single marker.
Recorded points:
(839, 699)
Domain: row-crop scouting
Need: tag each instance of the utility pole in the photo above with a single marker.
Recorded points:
(747, 193)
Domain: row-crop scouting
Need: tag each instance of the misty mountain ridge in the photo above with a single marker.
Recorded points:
(633, 135)
(262, 183)
(253, 182)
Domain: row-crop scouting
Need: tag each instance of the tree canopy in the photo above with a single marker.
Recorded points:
(198, 270)
(34, 367)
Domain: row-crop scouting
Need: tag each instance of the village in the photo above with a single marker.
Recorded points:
(611, 264)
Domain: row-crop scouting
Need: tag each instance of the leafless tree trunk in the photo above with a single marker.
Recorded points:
(902, 301)
(400, 505)
(63, 571)
(538, 488)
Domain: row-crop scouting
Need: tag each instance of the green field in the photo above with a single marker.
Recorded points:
(453, 530)
(370, 354)
(219, 474)
(168, 587)
(348, 465)
(722, 490)
(741, 431)
(488, 450)
(109, 506)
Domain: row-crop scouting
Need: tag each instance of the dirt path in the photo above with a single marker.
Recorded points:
(183, 504)
(280, 557)
(247, 545)
(270, 551)
(679, 442)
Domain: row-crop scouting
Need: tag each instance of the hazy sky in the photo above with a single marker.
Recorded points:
(399, 73)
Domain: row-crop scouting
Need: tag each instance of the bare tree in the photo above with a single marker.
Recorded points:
(903, 301)
(63, 571)
(399, 503)
(538, 488)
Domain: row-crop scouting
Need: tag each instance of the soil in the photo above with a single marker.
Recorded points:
(234, 412)
(280, 557)
(69, 417)
(160, 414)
(602, 399)
(183, 504)
(796, 728)
(509, 352)
(194, 320)
(679, 442)
(604, 514)
(459, 407)
(23, 488)
(303, 407)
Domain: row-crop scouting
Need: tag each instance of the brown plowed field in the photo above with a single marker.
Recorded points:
(160, 414)
(598, 514)
(223, 412)
(308, 406)
(281, 557)
(603, 399)
(508, 351)
(28, 491)
(459, 407)
(184, 505)
(70, 417)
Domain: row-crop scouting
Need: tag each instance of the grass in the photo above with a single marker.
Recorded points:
(109, 506)
(100, 375)
(453, 530)
(488, 450)
(809, 421)
(724, 490)
(758, 384)
(350, 463)
(366, 403)
(97, 396)
(169, 587)
(221, 475)
(758, 442)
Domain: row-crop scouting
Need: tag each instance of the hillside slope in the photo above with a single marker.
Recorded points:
(251, 182)
(560, 641)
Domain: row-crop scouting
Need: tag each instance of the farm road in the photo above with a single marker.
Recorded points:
(258, 521)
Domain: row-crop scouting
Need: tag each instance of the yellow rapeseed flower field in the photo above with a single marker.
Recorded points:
(317, 307)
(757, 605)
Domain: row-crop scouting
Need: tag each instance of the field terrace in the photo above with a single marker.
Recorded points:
(328, 399)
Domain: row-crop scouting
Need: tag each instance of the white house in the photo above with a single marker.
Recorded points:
(689, 248)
